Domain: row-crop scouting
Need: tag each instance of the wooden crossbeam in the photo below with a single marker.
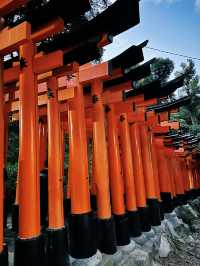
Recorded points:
(90, 72)
(172, 125)
(11, 39)
(136, 117)
(42, 64)
(52, 27)
(8, 6)
(164, 116)
(158, 129)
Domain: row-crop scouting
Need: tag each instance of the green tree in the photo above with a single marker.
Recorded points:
(161, 70)
(189, 116)
(12, 160)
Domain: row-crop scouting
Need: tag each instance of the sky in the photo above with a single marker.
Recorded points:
(170, 25)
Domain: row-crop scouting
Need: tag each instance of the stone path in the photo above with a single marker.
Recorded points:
(178, 243)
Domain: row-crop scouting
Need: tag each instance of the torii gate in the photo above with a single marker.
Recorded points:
(30, 243)
(7, 44)
(120, 110)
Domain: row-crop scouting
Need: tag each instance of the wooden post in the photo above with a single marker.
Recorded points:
(139, 178)
(129, 179)
(116, 183)
(106, 227)
(29, 247)
(3, 249)
(82, 222)
(164, 178)
(57, 237)
(177, 181)
(150, 184)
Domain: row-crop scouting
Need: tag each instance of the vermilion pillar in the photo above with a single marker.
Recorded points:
(116, 182)
(186, 178)
(178, 180)
(155, 163)
(29, 249)
(57, 237)
(3, 250)
(82, 238)
(150, 183)
(139, 177)
(106, 227)
(129, 179)
(6, 124)
(191, 180)
(164, 178)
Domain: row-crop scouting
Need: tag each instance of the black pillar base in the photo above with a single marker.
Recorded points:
(107, 242)
(57, 247)
(134, 224)
(30, 252)
(196, 193)
(144, 218)
(188, 195)
(122, 230)
(15, 218)
(67, 208)
(192, 194)
(154, 212)
(44, 198)
(167, 202)
(82, 236)
(4, 257)
(93, 201)
(162, 214)
(180, 200)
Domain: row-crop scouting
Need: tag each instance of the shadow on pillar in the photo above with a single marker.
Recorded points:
(4, 257)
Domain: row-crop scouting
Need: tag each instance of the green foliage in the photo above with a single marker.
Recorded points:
(11, 181)
(189, 116)
(12, 161)
(161, 70)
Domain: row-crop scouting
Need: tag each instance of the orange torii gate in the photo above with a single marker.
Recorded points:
(7, 6)
(29, 228)
(73, 106)
(90, 71)
(7, 44)
(94, 72)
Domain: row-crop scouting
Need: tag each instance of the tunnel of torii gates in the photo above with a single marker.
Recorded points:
(143, 164)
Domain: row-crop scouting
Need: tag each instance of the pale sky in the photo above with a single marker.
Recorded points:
(171, 25)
